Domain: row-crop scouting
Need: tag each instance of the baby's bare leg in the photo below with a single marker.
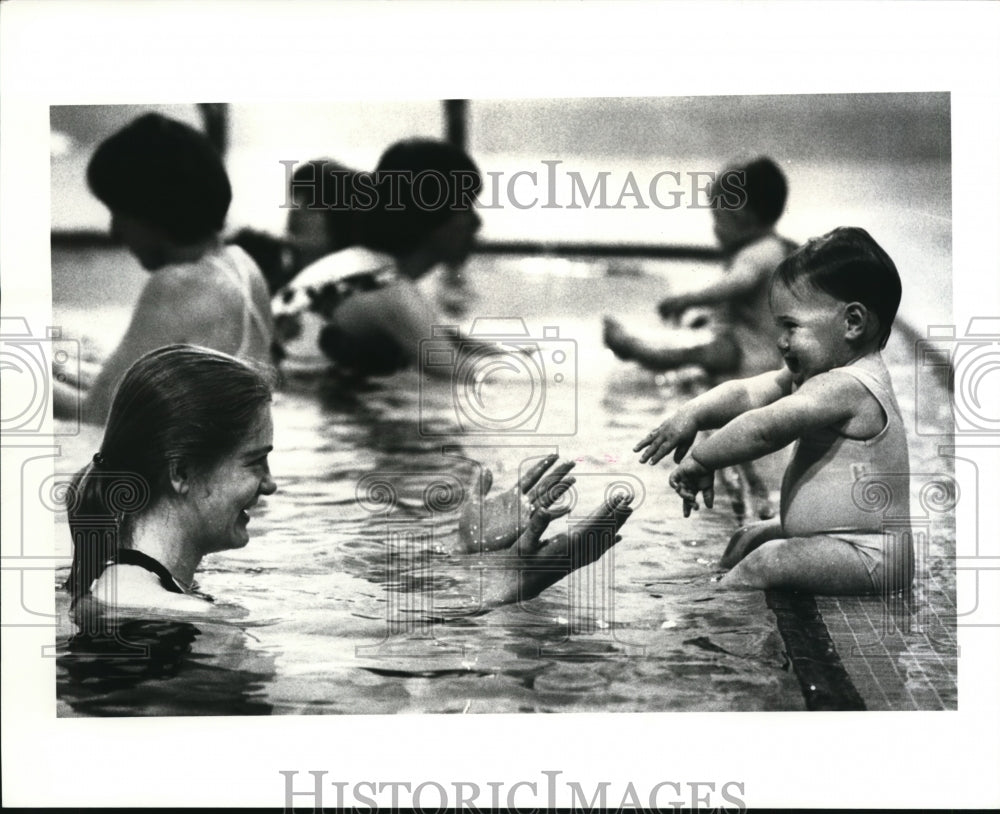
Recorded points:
(760, 497)
(748, 539)
(816, 565)
(719, 355)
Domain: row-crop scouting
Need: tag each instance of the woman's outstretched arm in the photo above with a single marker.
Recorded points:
(532, 564)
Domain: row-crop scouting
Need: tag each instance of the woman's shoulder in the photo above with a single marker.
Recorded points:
(187, 285)
(132, 586)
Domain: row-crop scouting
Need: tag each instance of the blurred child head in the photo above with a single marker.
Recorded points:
(164, 182)
(848, 266)
(747, 200)
(322, 220)
(425, 192)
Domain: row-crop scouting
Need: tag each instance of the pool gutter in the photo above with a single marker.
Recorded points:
(822, 676)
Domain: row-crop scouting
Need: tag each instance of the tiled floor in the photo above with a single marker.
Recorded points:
(900, 654)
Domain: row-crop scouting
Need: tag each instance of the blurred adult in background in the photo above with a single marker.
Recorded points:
(168, 193)
(416, 213)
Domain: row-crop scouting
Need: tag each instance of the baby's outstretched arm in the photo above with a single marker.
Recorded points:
(826, 400)
(675, 434)
(712, 410)
(743, 277)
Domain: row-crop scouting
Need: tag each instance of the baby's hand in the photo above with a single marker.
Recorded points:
(676, 433)
(690, 478)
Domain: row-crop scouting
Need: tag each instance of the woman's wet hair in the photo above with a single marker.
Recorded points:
(850, 266)
(179, 406)
(165, 174)
(417, 186)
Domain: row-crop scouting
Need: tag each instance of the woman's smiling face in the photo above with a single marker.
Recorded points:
(231, 487)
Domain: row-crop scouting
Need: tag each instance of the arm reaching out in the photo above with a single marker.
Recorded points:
(530, 564)
(675, 434)
(533, 564)
(711, 410)
(747, 272)
(826, 400)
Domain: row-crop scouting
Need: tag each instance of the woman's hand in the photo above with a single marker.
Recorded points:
(677, 433)
(494, 523)
(534, 564)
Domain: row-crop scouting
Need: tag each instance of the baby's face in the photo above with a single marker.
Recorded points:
(812, 330)
(307, 232)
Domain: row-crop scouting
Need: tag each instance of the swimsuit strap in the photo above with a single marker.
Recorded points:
(244, 281)
(129, 556)
(874, 376)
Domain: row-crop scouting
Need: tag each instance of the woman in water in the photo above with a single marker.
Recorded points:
(184, 462)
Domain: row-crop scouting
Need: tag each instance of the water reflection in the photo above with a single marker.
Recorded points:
(352, 629)
(118, 664)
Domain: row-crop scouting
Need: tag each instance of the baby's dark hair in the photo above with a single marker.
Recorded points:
(164, 173)
(850, 266)
(765, 186)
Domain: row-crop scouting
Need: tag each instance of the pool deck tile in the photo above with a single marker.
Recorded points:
(900, 654)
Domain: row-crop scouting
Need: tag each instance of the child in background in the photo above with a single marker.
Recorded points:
(725, 328)
(834, 302)
(320, 222)
(741, 336)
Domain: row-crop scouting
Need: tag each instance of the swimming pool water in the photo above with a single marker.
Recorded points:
(316, 615)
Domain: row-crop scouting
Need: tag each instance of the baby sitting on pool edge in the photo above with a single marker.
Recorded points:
(834, 302)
